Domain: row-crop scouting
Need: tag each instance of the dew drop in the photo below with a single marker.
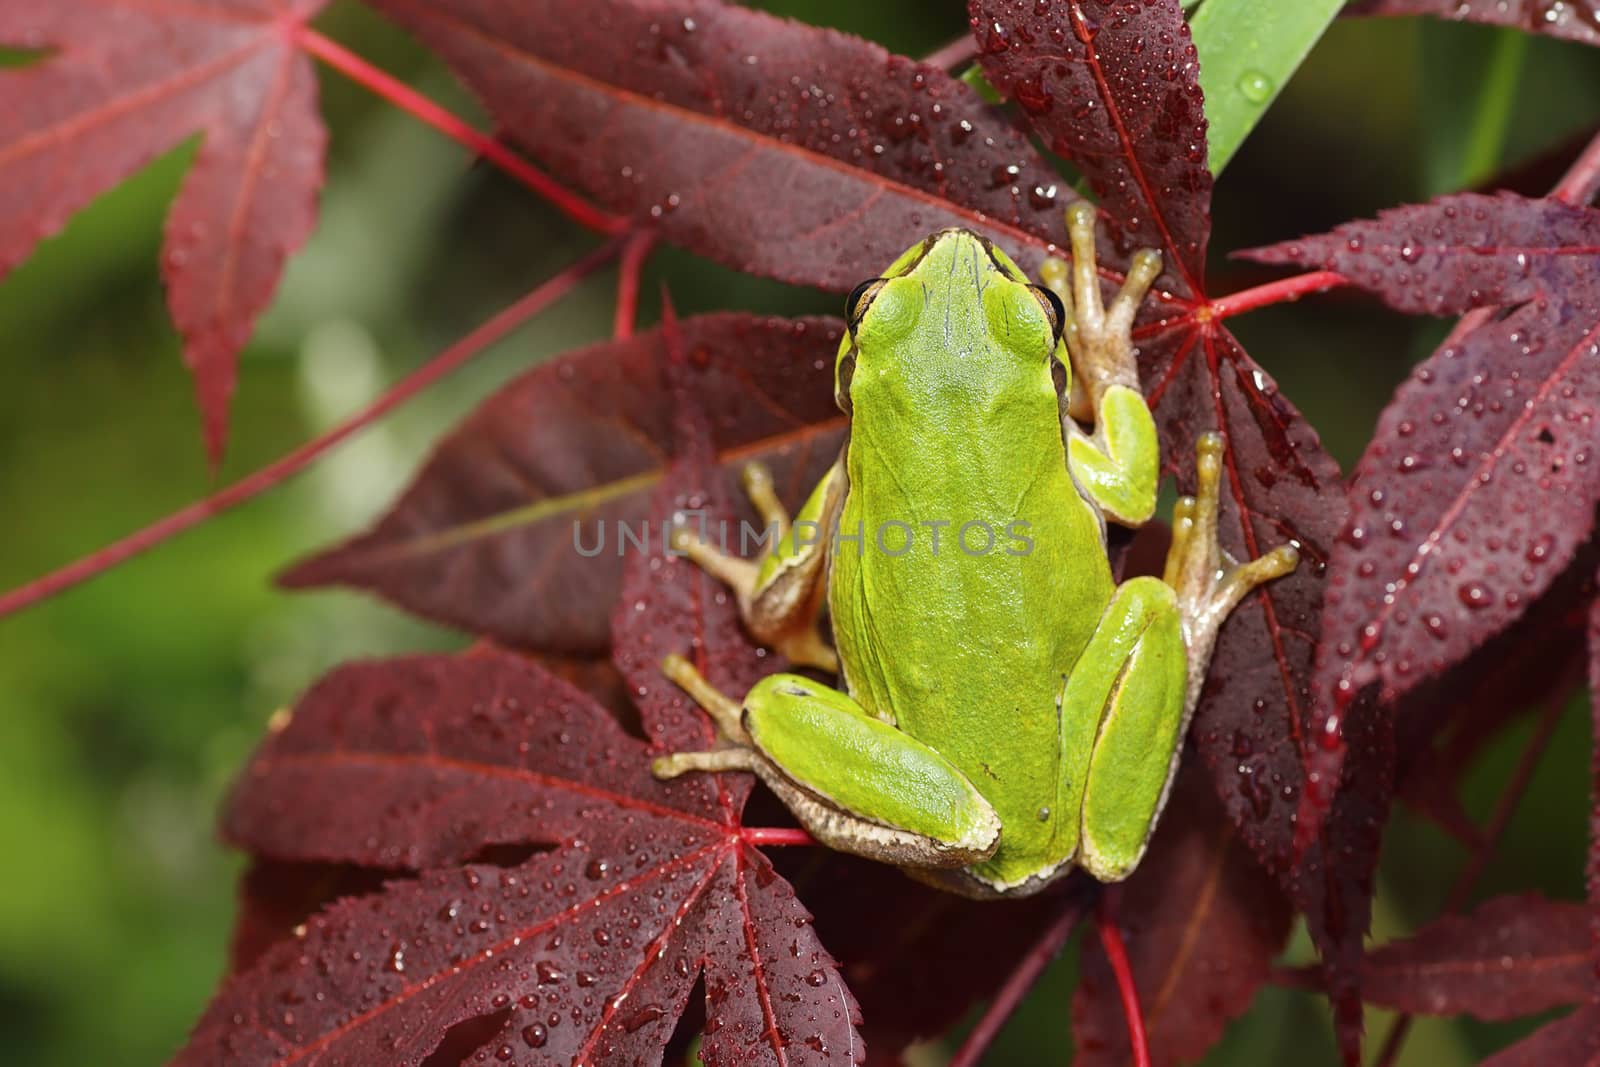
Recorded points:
(1255, 86)
(646, 1015)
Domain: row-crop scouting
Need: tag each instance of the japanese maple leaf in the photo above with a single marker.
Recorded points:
(566, 456)
(1574, 20)
(1480, 482)
(1571, 1040)
(585, 953)
(126, 80)
(1513, 956)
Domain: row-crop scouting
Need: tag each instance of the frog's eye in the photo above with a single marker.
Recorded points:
(857, 301)
(1054, 310)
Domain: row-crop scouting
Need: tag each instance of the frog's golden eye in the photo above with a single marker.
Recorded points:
(1054, 310)
(859, 298)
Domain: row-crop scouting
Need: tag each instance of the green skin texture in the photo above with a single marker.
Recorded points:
(1007, 715)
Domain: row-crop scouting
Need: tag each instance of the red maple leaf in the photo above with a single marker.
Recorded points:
(1574, 20)
(481, 537)
(587, 952)
(1513, 956)
(125, 81)
(1573, 1039)
(1480, 484)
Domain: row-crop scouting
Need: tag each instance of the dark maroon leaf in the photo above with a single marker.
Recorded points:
(1571, 1041)
(1575, 20)
(1115, 88)
(918, 959)
(1594, 784)
(1458, 252)
(1333, 881)
(589, 950)
(128, 81)
(1202, 922)
(485, 536)
(423, 741)
(1513, 956)
(1478, 486)
(1252, 724)
(781, 149)
(274, 898)
(1445, 723)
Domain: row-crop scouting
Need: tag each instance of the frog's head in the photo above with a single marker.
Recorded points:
(953, 295)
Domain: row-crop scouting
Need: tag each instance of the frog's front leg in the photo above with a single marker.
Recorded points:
(780, 596)
(857, 784)
(1119, 464)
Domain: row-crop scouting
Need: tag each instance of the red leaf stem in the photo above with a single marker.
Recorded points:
(415, 104)
(776, 836)
(1581, 182)
(634, 255)
(1284, 290)
(1117, 956)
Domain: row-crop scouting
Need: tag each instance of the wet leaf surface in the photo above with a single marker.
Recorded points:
(1513, 956)
(587, 945)
(123, 83)
(1572, 20)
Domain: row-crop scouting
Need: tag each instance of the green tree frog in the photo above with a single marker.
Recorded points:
(1008, 711)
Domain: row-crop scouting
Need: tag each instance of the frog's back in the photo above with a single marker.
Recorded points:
(963, 443)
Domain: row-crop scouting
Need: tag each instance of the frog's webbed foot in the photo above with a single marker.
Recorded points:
(779, 597)
(1209, 582)
(1118, 464)
(1099, 338)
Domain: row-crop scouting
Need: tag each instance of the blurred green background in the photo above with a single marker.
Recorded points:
(130, 703)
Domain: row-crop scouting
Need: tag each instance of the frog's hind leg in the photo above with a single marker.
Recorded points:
(1118, 465)
(780, 596)
(1121, 712)
(1125, 708)
(857, 784)
(1209, 582)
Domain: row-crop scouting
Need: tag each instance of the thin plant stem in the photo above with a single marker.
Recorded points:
(414, 103)
(259, 481)
(1016, 987)
(1117, 957)
(958, 53)
(1582, 180)
(634, 255)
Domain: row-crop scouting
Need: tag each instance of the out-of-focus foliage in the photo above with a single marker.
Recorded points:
(132, 702)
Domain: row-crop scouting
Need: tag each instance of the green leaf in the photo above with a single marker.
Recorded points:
(1248, 49)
